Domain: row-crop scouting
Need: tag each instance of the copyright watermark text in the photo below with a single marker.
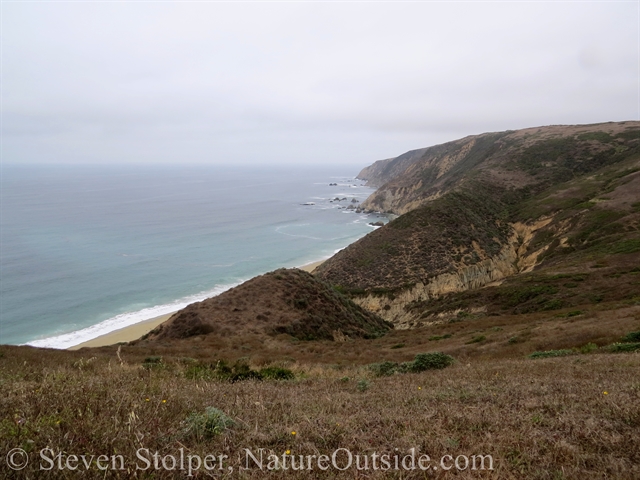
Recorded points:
(341, 459)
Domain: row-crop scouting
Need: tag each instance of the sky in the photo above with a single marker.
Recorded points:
(160, 82)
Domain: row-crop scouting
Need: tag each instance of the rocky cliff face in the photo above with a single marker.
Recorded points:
(514, 258)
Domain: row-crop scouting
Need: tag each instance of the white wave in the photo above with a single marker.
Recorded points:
(124, 320)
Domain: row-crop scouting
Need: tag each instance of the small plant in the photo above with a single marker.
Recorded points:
(631, 337)
(421, 362)
(588, 348)
(572, 313)
(514, 340)
(476, 339)
(624, 347)
(276, 373)
(208, 424)
(153, 362)
(552, 353)
(397, 345)
(363, 385)
(384, 369)
(430, 361)
(435, 338)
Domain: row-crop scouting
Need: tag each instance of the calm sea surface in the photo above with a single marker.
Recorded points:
(88, 250)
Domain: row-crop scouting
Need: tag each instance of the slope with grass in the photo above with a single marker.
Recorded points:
(554, 199)
(283, 302)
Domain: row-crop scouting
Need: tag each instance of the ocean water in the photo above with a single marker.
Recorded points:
(87, 250)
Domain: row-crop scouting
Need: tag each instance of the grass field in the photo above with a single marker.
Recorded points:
(566, 417)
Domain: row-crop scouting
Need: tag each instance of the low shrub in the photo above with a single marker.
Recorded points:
(152, 362)
(236, 372)
(276, 373)
(624, 347)
(631, 337)
(420, 363)
(552, 353)
(208, 424)
(588, 348)
(363, 385)
(431, 361)
(384, 369)
(476, 339)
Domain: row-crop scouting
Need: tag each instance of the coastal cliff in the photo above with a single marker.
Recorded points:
(488, 209)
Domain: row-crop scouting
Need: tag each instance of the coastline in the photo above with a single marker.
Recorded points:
(135, 331)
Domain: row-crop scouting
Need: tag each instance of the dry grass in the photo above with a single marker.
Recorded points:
(537, 418)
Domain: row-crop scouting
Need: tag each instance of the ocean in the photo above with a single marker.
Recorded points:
(88, 250)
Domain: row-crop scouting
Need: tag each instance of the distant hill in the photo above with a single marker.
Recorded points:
(285, 301)
(491, 207)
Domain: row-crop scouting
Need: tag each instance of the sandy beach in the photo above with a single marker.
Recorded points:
(133, 332)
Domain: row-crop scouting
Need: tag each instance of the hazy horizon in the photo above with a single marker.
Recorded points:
(302, 83)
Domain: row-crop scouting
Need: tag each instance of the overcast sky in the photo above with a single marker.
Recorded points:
(294, 82)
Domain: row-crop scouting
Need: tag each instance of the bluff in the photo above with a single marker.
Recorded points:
(483, 209)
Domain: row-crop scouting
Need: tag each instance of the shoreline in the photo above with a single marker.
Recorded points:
(137, 330)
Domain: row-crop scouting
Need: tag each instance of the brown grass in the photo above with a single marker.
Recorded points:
(539, 419)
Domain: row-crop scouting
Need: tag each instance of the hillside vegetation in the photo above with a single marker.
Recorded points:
(485, 209)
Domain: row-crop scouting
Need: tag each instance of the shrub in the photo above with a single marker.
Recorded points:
(152, 362)
(631, 337)
(572, 313)
(552, 353)
(235, 373)
(430, 361)
(624, 347)
(420, 363)
(276, 373)
(384, 369)
(588, 348)
(363, 385)
(477, 339)
(208, 424)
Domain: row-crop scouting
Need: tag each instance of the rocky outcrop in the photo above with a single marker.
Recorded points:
(513, 258)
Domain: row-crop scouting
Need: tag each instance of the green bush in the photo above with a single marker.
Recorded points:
(624, 347)
(420, 363)
(276, 373)
(588, 348)
(430, 361)
(476, 339)
(552, 353)
(363, 385)
(384, 369)
(208, 424)
(152, 362)
(631, 337)
(235, 373)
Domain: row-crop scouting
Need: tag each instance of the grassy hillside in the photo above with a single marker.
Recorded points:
(283, 302)
(575, 209)
(565, 417)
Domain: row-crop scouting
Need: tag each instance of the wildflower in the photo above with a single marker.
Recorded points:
(164, 401)
(293, 433)
(419, 388)
(287, 452)
(146, 399)
(605, 393)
